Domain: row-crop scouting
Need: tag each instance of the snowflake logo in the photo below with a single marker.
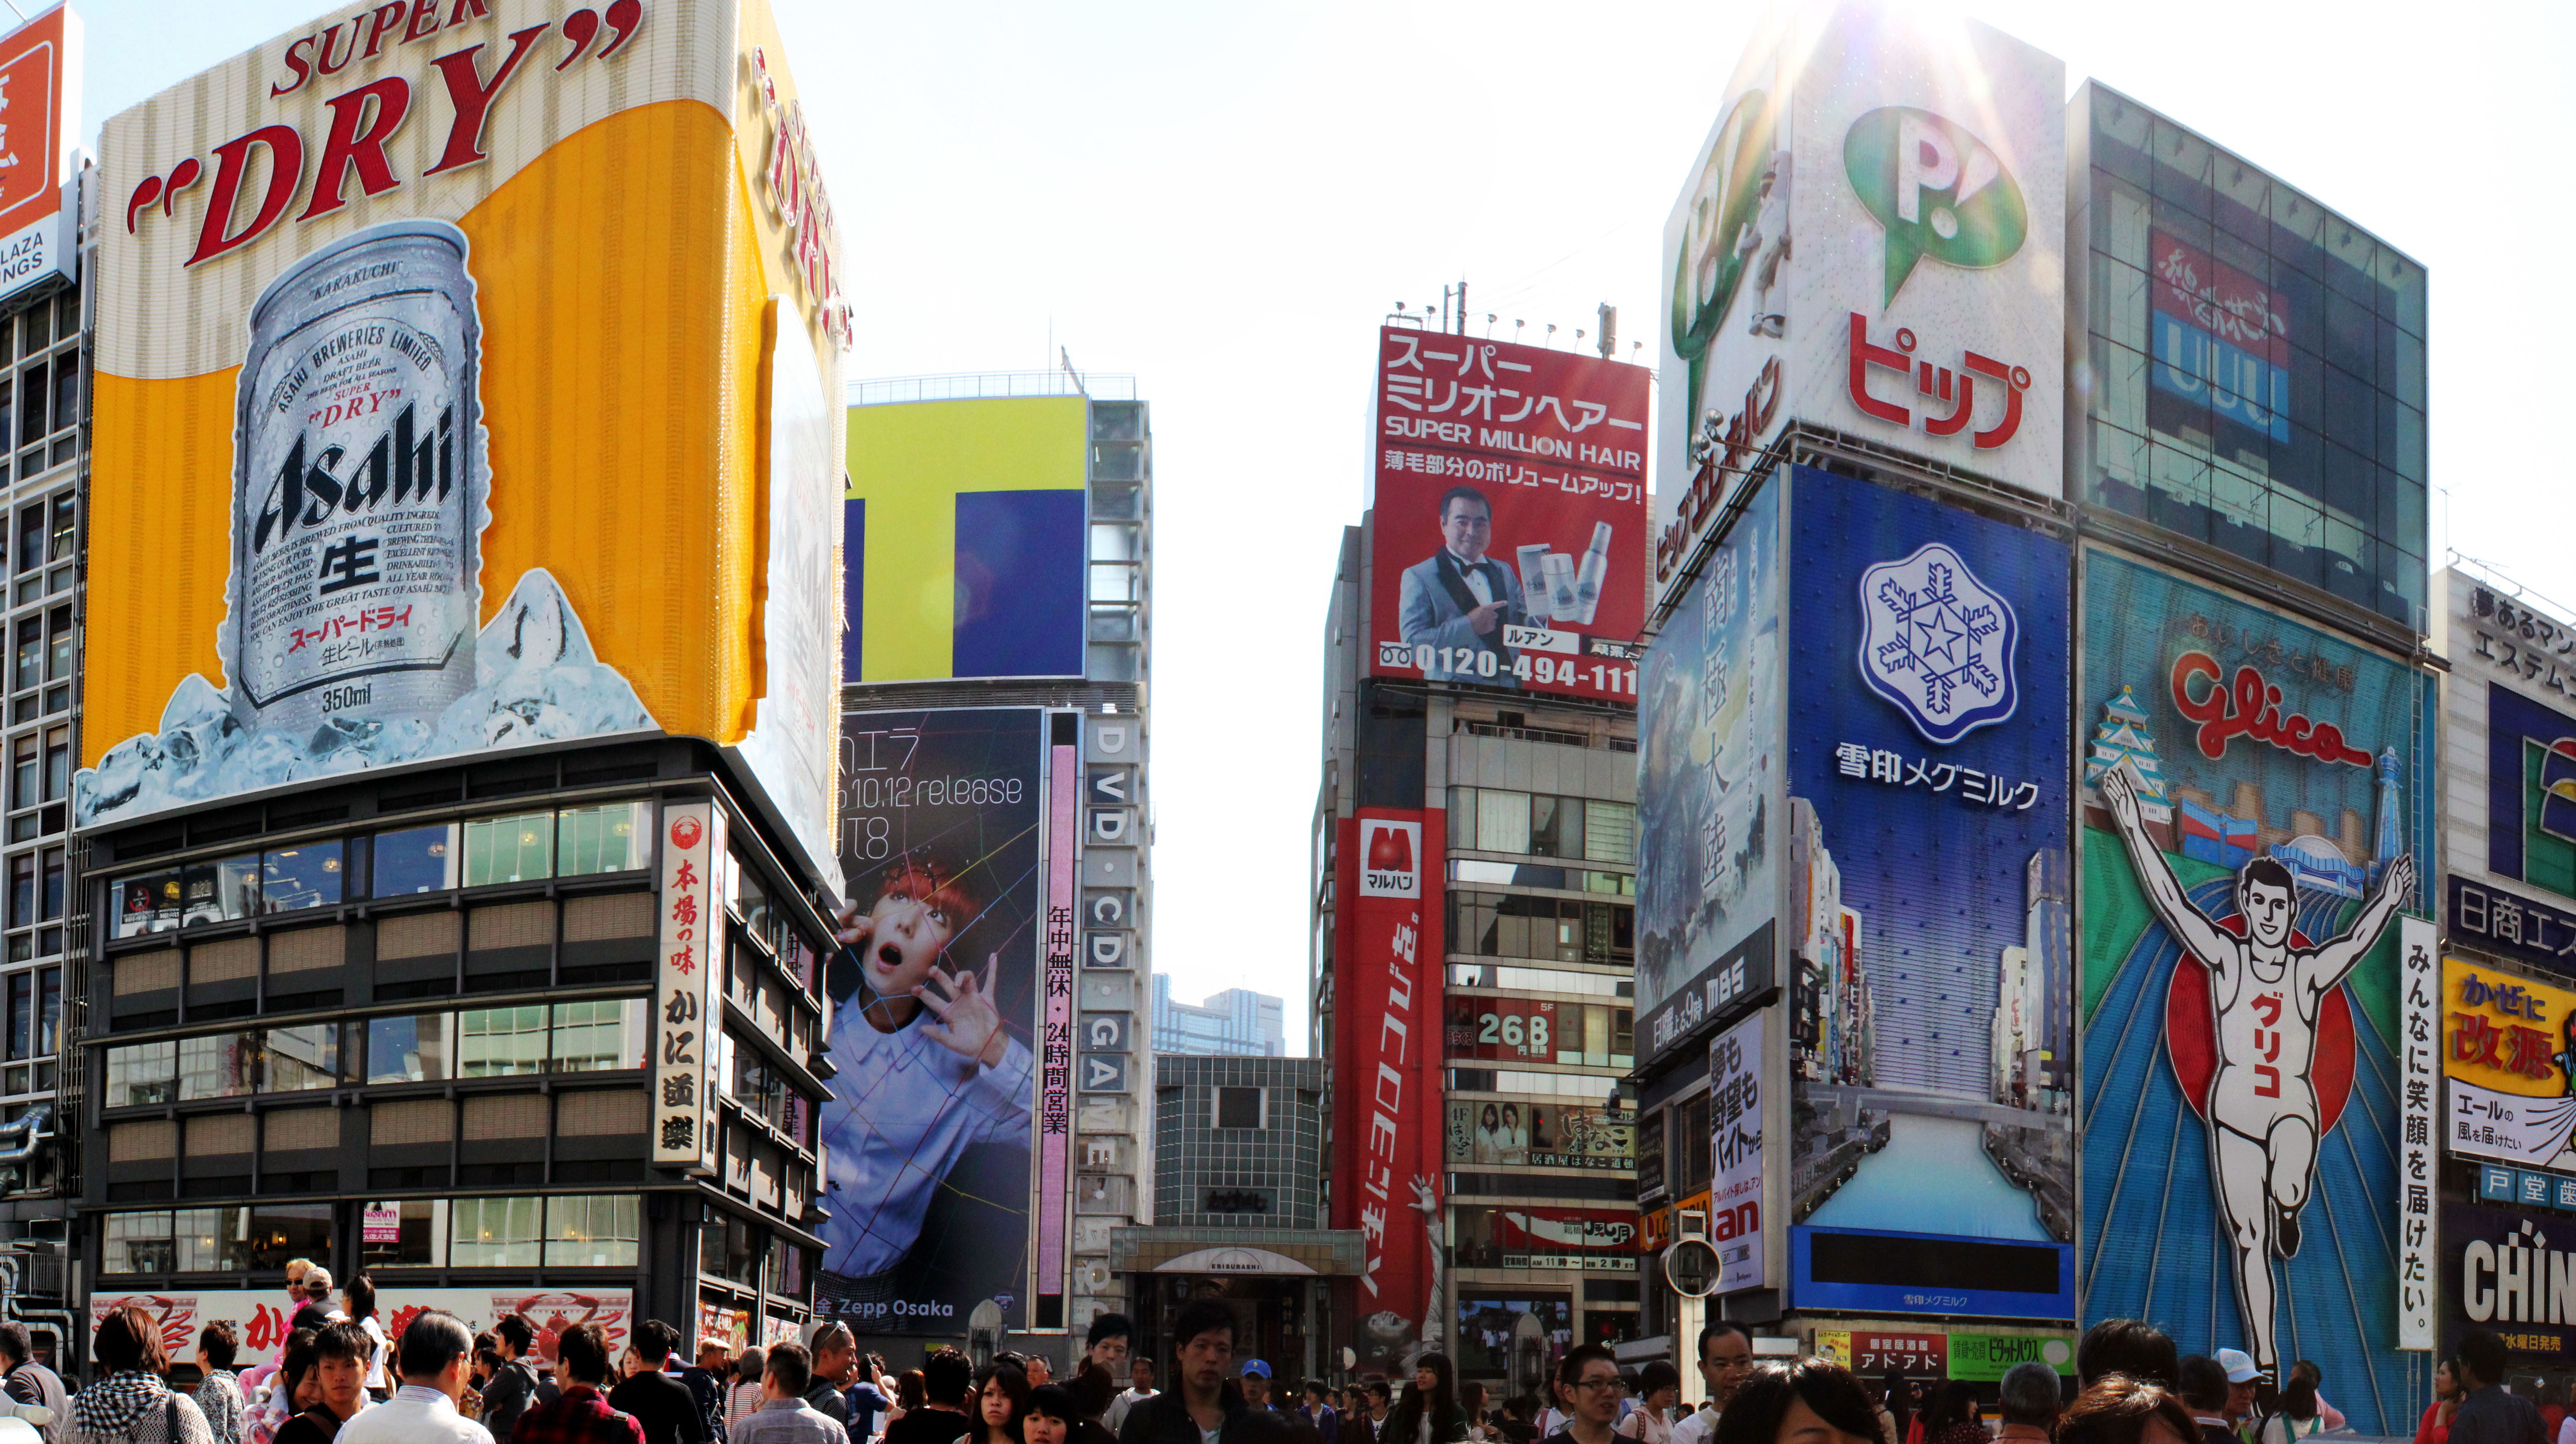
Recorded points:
(1938, 643)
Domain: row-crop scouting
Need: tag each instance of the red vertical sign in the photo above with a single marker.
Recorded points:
(1387, 1026)
(1055, 1079)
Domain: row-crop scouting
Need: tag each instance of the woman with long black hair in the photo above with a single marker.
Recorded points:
(1001, 1403)
(1429, 1412)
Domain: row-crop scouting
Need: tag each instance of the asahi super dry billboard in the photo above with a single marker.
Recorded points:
(464, 382)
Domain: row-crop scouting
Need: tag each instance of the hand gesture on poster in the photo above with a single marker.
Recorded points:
(2122, 797)
(968, 1022)
(856, 923)
(1485, 618)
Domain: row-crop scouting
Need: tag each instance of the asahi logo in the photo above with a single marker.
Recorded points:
(401, 466)
(1390, 858)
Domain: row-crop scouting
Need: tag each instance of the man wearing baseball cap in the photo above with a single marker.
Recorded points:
(1256, 1387)
(2244, 1381)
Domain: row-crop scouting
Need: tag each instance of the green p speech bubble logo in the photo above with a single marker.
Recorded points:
(1709, 266)
(1938, 190)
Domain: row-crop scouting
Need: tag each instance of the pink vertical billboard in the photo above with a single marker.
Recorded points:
(1387, 1136)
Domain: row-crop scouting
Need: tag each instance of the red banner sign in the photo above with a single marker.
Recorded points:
(1387, 1132)
(1510, 504)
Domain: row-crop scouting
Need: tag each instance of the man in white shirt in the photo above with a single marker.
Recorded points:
(433, 1359)
(1725, 1358)
(1140, 1379)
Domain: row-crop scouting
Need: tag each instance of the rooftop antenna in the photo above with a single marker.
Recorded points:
(1067, 355)
(1516, 329)
(1609, 331)
(1462, 305)
(1551, 335)
(1489, 325)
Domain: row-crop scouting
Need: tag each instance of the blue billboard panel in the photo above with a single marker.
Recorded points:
(1927, 898)
(1708, 790)
(2253, 809)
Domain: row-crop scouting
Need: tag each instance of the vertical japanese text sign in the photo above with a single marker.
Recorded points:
(1387, 1152)
(1055, 1077)
(684, 1013)
(2422, 982)
(1735, 1147)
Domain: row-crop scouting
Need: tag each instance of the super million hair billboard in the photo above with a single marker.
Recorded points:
(467, 379)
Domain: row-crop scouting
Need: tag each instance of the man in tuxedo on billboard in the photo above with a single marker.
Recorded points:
(1460, 598)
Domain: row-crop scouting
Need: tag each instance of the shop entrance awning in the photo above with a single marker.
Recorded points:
(1275, 1253)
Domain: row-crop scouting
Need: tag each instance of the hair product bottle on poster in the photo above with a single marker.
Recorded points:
(1533, 557)
(1595, 569)
(1560, 586)
(359, 489)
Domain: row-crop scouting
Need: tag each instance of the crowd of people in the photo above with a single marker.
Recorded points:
(339, 1379)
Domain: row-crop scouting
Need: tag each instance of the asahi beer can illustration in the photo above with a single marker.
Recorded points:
(359, 490)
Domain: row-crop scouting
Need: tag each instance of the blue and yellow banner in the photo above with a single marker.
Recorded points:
(963, 540)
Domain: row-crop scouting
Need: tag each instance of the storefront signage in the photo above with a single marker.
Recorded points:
(685, 1007)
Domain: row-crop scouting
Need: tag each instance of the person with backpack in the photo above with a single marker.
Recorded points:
(2298, 1416)
(132, 1404)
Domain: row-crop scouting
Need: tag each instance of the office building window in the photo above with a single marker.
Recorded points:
(599, 1035)
(1239, 1108)
(509, 849)
(414, 860)
(616, 837)
(410, 1047)
(305, 876)
(593, 1231)
(496, 1233)
(496, 1042)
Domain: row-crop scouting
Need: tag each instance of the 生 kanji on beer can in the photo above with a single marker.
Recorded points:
(359, 492)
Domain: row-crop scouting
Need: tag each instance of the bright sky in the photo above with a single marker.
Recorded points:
(1225, 199)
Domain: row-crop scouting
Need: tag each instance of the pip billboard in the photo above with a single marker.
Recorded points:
(1871, 240)
(1928, 902)
(929, 1128)
(1387, 1124)
(1709, 772)
(963, 533)
(2254, 806)
(380, 306)
(1510, 515)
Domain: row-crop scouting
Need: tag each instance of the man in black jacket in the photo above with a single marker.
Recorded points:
(662, 1404)
(513, 1389)
(1204, 1398)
